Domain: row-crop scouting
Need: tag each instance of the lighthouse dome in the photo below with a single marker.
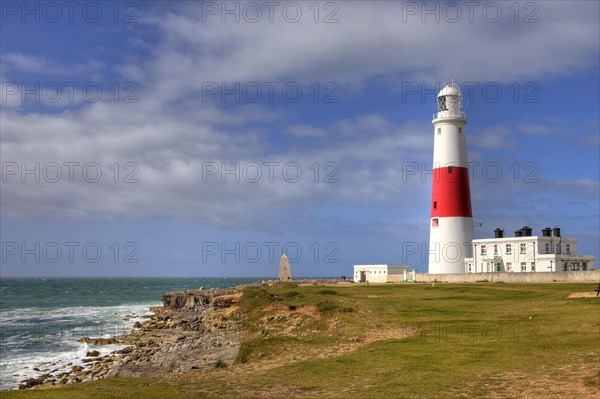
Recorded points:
(451, 89)
(449, 102)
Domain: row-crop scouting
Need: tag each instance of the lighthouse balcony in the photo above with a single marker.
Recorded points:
(449, 114)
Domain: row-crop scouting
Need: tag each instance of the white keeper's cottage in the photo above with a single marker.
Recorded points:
(525, 252)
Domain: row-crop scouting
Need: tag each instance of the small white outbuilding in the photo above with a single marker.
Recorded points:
(380, 273)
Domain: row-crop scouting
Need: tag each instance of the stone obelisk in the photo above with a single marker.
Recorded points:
(285, 273)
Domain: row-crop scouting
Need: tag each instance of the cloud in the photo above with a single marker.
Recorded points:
(42, 66)
(370, 42)
(305, 131)
(494, 137)
(171, 136)
(534, 129)
(171, 157)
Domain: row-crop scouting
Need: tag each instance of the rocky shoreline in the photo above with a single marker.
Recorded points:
(192, 330)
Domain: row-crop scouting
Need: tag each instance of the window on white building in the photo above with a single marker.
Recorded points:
(483, 250)
(495, 250)
(532, 266)
(575, 266)
(523, 248)
(568, 248)
(508, 249)
(557, 248)
(523, 266)
(508, 266)
(547, 248)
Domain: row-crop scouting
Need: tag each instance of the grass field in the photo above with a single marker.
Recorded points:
(481, 340)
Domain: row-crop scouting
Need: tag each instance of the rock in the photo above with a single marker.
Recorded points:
(225, 301)
(31, 383)
(99, 341)
(127, 349)
(190, 331)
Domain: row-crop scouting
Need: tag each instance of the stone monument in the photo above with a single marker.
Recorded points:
(285, 273)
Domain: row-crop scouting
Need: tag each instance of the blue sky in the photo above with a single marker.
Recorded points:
(179, 93)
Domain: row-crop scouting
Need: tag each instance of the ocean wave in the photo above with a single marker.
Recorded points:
(22, 367)
(48, 339)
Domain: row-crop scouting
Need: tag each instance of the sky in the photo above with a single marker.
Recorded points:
(189, 138)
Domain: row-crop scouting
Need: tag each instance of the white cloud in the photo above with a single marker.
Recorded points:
(170, 133)
(41, 65)
(373, 41)
(305, 131)
(494, 137)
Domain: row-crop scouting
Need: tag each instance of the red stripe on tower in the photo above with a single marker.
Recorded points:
(451, 193)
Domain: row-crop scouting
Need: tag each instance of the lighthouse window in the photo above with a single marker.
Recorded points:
(434, 222)
(439, 130)
(434, 204)
(450, 169)
(442, 103)
(460, 130)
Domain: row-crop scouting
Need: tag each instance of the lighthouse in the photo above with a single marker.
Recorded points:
(451, 222)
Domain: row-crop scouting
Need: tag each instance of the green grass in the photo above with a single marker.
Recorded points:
(460, 340)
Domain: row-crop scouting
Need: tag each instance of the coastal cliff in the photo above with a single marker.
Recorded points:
(192, 330)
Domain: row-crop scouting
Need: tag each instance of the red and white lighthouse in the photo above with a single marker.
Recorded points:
(451, 224)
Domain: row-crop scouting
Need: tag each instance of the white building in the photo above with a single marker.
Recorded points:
(524, 252)
(379, 273)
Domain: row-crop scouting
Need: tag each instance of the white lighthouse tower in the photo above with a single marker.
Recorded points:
(451, 224)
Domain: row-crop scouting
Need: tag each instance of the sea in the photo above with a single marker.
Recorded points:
(42, 319)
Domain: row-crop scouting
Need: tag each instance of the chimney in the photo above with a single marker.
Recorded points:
(498, 233)
(547, 232)
(526, 231)
(556, 231)
(519, 233)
